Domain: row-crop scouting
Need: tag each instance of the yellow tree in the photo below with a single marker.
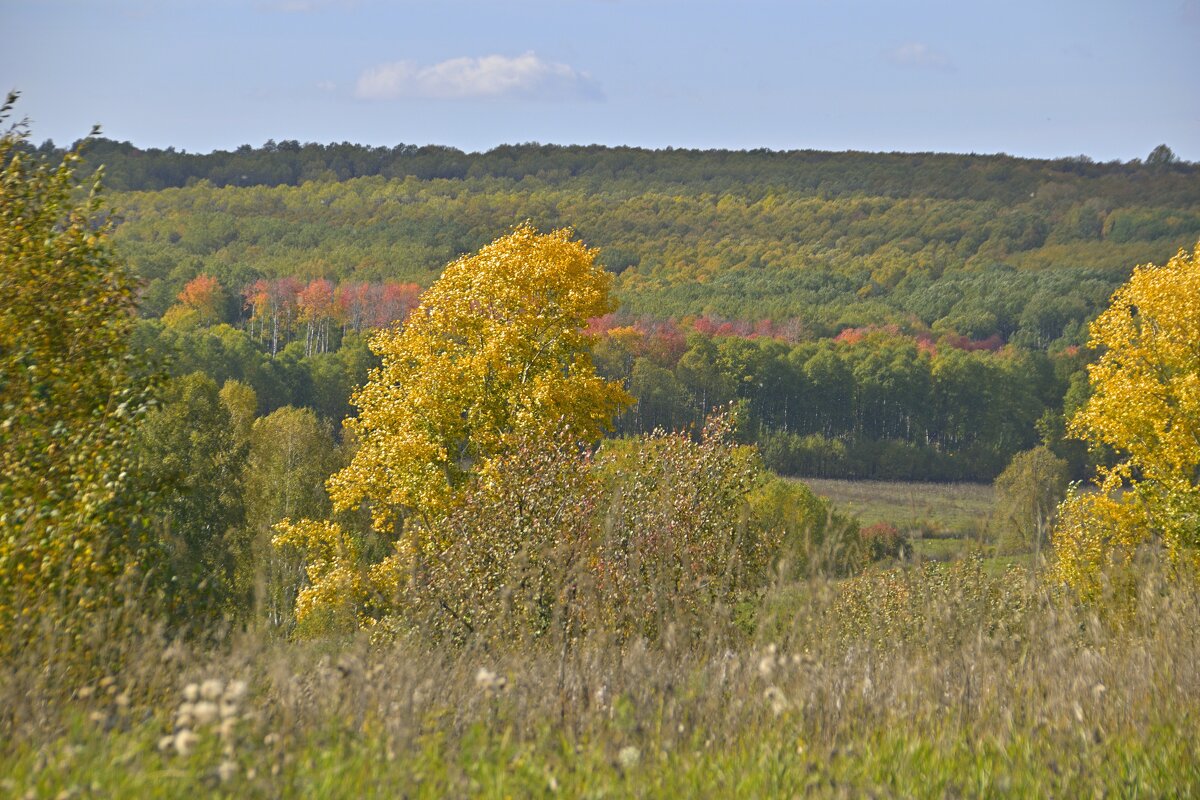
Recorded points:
(495, 351)
(1146, 405)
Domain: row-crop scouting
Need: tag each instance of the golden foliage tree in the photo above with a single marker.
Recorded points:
(495, 351)
(70, 528)
(1146, 405)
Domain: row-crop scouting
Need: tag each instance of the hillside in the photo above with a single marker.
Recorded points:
(917, 314)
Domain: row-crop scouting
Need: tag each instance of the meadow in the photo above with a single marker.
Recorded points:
(938, 681)
(941, 520)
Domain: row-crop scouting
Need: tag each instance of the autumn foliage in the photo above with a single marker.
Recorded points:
(495, 348)
(495, 351)
(1145, 405)
(70, 529)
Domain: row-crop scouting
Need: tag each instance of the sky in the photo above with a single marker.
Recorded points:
(1109, 79)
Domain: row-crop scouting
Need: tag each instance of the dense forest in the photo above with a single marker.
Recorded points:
(917, 316)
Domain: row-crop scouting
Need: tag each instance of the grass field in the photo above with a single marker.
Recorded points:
(938, 681)
(942, 520)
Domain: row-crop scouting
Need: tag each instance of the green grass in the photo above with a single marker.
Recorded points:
(932, 681)
(943, 521)
(771, 761)
(952, 510)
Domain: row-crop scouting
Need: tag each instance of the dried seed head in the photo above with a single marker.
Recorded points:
(766, 665)
(185, 742)
(227, 729)
(227, 770)
(777, 700)
(489, 681)
(212, 689)
(205, 712)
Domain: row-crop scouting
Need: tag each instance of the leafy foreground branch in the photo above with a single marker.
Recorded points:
(932, 682)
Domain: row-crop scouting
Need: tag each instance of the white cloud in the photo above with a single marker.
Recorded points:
(917, 54)
(525, 76)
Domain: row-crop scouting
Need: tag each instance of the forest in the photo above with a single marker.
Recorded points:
(343, 471)
(886, 316)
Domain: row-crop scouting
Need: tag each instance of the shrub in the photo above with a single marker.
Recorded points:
(677, 537)
(883, 541)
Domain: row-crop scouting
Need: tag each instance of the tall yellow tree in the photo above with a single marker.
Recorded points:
(1146, 405)
(495, 351)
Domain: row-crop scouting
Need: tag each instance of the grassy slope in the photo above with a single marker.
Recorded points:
(947, 682)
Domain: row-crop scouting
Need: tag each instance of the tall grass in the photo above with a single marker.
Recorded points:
(932, 681)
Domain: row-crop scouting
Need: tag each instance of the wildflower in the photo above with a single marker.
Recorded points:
(191, 693)
(235, 691)
(212, 689)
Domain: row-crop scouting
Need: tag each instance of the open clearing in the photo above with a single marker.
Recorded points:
(941, 519)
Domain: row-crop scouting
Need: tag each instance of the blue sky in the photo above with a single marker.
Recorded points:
(1043, 79)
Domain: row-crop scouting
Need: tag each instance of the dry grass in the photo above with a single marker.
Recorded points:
(942, 681)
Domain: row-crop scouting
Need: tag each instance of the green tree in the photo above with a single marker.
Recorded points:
(661, 400)
(71, 532)
(676, 537)
(1161, 156)
(191, 456)
(292, 452)
(241, 401)
(1027, 494)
